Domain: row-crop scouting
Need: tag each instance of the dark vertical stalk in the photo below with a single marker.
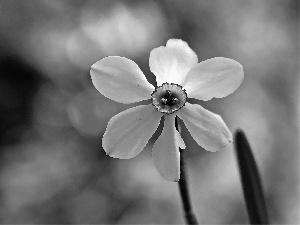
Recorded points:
(189, 214)
(251, 182)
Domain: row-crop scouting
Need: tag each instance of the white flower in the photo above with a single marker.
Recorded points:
(179, 76)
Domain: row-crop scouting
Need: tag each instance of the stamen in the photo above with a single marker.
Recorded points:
(164, 101)
(175, 100)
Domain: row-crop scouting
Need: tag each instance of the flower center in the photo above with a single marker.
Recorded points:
(169, 98)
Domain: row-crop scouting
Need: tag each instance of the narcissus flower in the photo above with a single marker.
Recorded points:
(179, 77)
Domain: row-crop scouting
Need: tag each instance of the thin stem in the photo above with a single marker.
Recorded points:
(189, 214)
(251, 182)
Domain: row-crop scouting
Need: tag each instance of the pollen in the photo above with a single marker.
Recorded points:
(169, 98)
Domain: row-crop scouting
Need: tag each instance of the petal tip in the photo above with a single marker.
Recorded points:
(227, 145)
(173, 179)
(115, 155)
(173, 41)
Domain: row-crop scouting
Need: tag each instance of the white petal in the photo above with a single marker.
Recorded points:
(172, 63)
(121, 80)
(207, 129)
(128, 132)
(217, 77)
(165, 152)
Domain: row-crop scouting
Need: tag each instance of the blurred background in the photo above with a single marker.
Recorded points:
(52, 166)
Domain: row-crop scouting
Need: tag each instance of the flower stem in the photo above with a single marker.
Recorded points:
(251, 182)
(190, 217)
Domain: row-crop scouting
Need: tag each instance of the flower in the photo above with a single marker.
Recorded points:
(179, 76)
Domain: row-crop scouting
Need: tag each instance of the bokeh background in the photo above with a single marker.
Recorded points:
(52, 166)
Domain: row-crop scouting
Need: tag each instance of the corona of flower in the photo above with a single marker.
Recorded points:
(179, 77)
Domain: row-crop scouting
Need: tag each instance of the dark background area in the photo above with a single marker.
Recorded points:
(52, 166)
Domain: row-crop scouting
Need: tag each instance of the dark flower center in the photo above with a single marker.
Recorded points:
(169, 98)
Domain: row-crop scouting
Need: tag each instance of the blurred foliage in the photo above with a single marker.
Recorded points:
(53, 169)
